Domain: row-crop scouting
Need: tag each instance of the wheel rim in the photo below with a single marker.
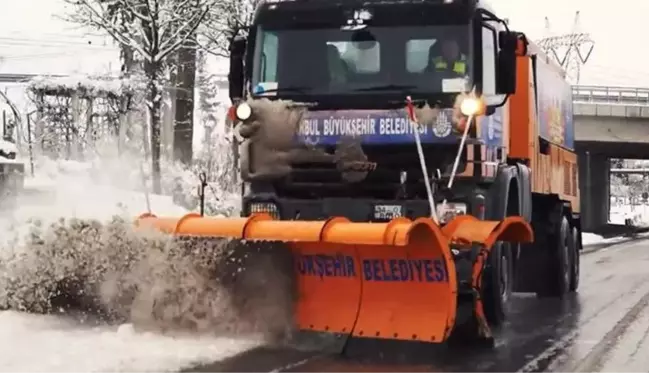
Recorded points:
(504, 278)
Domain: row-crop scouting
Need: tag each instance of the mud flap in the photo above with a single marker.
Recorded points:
(469, 232)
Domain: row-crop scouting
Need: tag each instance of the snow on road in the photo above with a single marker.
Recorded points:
(32, 343)
(58, 344)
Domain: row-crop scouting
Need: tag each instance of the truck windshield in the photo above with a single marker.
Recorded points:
(425, 59)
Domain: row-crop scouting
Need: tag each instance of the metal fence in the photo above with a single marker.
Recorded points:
(610, 95)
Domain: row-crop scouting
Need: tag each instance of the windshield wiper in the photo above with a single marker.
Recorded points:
(293, 89)
(388, 87)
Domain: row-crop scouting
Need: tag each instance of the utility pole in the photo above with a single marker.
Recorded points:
(571, 50)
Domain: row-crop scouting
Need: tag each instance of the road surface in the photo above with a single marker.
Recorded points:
(605, 327)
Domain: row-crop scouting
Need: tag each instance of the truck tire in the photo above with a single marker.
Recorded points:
(497, 282)
(557, 280)
(574, 259)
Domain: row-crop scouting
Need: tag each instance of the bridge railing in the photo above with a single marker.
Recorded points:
(610, 95)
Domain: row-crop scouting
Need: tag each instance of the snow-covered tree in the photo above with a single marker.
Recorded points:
(229, 19)
(153, 29)
(629, 186)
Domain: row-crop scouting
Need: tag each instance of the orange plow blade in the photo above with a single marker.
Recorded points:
(329, 288)
(395, 280)
(409, 284)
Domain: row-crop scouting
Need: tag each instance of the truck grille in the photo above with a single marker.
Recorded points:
(393, 163)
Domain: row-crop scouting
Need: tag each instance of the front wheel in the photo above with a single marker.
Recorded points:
(497, 283)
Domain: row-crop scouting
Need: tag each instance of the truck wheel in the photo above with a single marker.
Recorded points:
(498, 283)
(574, 259)
(564, 265)
(557, 280)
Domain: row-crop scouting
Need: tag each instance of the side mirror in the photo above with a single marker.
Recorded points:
(235, 76)
(512, 44)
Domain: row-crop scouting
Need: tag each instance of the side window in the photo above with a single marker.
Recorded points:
(269, 50)
(362, 58)
(489, 60)
(417, 54)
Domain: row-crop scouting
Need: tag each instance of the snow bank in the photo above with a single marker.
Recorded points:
(8, 147)
(105, 187)
(591, 239)
(45, 343)
(70, 189)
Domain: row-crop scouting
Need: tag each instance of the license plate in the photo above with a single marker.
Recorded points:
(451, 210)
(387, 212)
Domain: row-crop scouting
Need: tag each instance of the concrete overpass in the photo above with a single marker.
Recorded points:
(610, 122)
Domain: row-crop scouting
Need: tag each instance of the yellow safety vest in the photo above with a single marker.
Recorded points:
(459, 67)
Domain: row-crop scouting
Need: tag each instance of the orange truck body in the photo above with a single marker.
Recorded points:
(543, 103)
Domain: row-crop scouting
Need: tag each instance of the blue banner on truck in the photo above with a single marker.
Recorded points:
(491, 128)
(556, 123)
(372, 127)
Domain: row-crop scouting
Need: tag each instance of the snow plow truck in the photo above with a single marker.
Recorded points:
(414, 157)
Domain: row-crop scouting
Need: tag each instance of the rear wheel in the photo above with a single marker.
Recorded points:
(559, 266)
(574, 260)
(497, 283)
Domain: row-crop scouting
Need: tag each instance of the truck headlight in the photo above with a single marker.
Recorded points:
(265, 207)
(472, 106)
(243, 111)
(447, 212)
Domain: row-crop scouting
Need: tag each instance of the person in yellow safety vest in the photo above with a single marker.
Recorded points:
(450, 60)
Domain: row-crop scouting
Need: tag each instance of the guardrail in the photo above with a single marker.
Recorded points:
(611, 95)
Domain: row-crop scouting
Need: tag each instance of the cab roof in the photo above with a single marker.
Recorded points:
(271, 10)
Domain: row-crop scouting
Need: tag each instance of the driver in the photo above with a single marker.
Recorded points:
(448, 58)
(338, 69)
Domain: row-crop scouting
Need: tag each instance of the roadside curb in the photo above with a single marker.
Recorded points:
(588, 249)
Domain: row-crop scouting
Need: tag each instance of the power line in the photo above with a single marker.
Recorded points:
(55, 43)
(56, 35)
(46, 55)
(571, 50)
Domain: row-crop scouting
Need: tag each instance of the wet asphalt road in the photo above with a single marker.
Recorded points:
(604, 327)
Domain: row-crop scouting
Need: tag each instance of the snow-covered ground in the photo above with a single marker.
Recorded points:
(639, 214)
(33, 343)
(619, 212)
(589, 239)
(57, 344)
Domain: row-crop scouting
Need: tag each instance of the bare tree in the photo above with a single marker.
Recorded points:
(223, 23)
(153, 29)
(184, 115)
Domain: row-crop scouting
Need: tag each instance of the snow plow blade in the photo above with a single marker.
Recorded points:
(395, 280)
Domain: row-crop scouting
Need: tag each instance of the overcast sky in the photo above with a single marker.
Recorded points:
(32, 40)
